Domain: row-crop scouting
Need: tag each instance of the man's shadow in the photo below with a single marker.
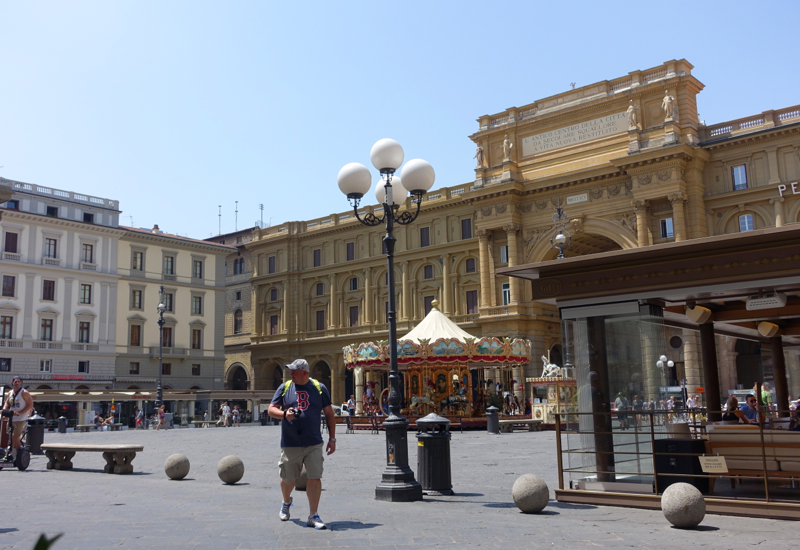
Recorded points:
(340, 525)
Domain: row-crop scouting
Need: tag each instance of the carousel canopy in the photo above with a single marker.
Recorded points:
(437, 325)
(437, 339)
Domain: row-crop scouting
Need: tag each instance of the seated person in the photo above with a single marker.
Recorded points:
(109, 420)
(731, 410)
(98, 420)
(749, 411)
(795, 421)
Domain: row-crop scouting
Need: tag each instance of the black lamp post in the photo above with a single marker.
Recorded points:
(561, 238)
(161, 309)
(397, 482)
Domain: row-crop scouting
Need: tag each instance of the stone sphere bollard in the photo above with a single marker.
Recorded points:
(230, 469)
(530, 493)
(301, 482)
(683, 505)
(176, 466)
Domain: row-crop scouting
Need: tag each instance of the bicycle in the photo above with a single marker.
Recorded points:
(23, 458)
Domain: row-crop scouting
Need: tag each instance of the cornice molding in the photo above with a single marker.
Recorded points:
(48, 221)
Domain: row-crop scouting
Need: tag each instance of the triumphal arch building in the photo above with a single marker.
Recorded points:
(629, 162)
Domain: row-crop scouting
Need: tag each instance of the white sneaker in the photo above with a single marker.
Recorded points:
(284, 515)
(315, 522)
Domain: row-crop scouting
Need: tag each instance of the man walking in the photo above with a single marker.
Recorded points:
(20, 403)
(299, 403)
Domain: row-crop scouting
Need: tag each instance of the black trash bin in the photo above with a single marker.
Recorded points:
(62, 425)
(492, 420)
(264, 417)
(433, 455)
(36, 426)
(679, 456)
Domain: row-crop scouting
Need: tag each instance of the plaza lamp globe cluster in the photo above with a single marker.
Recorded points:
(415, 178)
(161, 309)
(661, 364)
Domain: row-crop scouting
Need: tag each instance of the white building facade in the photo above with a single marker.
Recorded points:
(59, 288)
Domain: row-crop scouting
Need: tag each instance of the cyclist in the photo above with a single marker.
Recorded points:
(20, 403)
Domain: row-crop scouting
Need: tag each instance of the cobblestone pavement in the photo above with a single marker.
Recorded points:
(147, 510)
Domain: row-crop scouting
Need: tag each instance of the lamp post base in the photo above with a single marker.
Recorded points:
(397, 482)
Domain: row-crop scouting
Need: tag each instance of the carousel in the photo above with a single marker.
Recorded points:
(444, 369)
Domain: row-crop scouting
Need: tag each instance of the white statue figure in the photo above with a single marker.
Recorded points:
(479, 156)
(550, 369)
(633, 122)
(668, 105)
(507, 145)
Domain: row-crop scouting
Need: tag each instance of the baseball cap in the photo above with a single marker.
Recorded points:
(298, 364)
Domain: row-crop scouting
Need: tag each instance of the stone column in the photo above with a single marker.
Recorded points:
(445, 293)
(406, 313)
(367, 299)
(483, 243)
(691, 357)
(779, 369)
(777, 206)
(792, 359)
(710, 372)
(640, 208)
(678, 201)
(513, 259)
(333, 307)
(358, 381)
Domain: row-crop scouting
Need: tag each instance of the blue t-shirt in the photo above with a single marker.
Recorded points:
(749, 413)
(306, 430)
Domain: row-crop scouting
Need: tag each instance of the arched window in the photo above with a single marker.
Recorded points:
(237, 321)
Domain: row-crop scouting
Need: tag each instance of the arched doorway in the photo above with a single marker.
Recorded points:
(277, 378)
(322, 372)
(237, 378)
(349, 384)
(556, 356)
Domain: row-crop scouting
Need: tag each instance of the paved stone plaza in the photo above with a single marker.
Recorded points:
(147, 510)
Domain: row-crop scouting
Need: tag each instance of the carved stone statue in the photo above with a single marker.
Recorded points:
(668, 104)
(479, 156)
(507, 145)
(633, 122)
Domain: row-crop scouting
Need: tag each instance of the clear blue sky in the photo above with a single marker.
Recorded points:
(176, 107)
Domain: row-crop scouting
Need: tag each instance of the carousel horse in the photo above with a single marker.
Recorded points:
(550, 369)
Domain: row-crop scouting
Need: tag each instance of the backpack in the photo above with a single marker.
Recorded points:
(315, 382)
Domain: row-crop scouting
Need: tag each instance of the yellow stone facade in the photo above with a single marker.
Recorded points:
(629, 161)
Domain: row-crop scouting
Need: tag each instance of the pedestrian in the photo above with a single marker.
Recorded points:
(162, 418)
(139, 418)
(236, 416)
(638, 407)
(205, 416)
(299, 404)
(351, 406)
(621, 405)
(226, 414)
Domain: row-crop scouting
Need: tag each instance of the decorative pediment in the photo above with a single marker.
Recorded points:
(48, 311)
(86, 313)
(137, 318)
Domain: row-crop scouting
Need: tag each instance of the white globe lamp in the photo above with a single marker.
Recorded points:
(354, 180)
(386, 155)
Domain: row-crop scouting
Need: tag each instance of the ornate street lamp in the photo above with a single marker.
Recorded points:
(561, 238)
(161, 309)
(397, 483)
(662, 364)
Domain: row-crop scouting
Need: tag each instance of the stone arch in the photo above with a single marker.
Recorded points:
(134, 387)
(733, 214)
(460, 265)
(196, 387)
(237, 377)
(793, 212)
(269, 376)
(311, 287)
(322, 372)
(44, 387)
(417, 268)
(344, 283)
(610, 235)
(265, 296)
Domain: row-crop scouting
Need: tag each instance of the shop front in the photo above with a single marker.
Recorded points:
(653, 334)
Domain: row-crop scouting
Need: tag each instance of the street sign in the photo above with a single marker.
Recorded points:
(700, 390)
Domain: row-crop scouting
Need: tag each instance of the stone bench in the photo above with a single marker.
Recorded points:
(118, 457)
(87, 427)
(532, 425)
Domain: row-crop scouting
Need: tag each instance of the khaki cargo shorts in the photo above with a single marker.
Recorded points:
(19, 427)
(293, 459)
